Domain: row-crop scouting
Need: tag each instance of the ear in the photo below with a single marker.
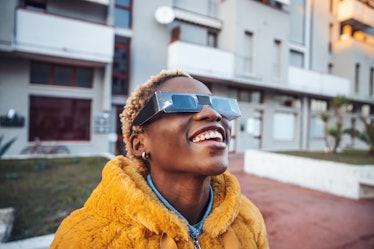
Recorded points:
(137, 144)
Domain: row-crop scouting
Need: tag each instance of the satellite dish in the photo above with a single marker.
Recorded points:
(164, 15)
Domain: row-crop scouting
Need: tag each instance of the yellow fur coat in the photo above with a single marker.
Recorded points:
(122, 212)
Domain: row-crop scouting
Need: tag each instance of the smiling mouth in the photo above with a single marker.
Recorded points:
(208, 135)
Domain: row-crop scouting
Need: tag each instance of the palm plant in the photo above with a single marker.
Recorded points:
(338, 103)
(366, 136)
(6, 146)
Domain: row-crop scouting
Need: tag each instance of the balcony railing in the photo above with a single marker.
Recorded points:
(317, 83)
(353, 9)
(47, 34)
(201, 60)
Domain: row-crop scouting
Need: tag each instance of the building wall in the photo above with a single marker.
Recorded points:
(149, 41)
(13, 86)
(320, 35)
(83, 10)
(149, 52)
(7, 16)
(15, 90)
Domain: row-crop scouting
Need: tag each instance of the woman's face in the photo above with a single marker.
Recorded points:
(176, 141)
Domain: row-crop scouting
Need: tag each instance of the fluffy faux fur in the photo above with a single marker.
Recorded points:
(122, 212)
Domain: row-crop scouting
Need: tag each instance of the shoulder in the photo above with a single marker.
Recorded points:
(250, 224)
(84, 229)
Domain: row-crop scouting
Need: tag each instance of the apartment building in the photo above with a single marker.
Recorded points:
(67, 67)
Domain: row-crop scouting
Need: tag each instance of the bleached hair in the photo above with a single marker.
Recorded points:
(136, 101)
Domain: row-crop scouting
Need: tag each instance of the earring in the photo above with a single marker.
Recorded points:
(145, 156)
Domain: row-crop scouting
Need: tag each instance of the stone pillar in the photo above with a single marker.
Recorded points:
(6, 223)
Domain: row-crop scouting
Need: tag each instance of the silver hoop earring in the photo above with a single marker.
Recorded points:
(145, 156)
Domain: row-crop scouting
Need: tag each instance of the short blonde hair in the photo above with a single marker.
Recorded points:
(135, 103)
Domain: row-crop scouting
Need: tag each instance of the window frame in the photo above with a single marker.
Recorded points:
(126, 75)
(52, 75)
(125, 8)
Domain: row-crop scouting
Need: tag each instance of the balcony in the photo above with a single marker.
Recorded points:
(312, 82)
(357, 11)
(360, 44)
(51, 35)
(201, 60)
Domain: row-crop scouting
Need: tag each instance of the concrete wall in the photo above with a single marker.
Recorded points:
(149, 42)
(7, 25)
(334, 178)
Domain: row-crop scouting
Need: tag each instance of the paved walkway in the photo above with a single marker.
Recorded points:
(297, 217)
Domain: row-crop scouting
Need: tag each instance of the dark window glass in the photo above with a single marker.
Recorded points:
(52, 74)
(126, 3)
(120, 62)
(122, 18)
(63, 75)
(212, 39)
(119, 86)
(120, 77)
(40, 73)
(122, 13)
(84, 77)
(59, 119)
(36, 4)
(119, 40)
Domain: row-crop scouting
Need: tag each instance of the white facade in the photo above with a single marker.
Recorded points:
(282, 60)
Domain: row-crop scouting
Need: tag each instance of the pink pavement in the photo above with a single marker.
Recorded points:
(301, 218)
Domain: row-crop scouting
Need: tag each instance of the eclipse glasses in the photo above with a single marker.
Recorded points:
(175, 102)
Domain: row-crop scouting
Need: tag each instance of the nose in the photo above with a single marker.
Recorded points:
(208, 113)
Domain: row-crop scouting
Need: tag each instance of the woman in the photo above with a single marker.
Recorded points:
(176, 192)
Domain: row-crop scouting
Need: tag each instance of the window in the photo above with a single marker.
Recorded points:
(357, 77)
(330, 67)
(212, 8)
(331, 26)
(371, 81)
(61, 75)
(331, 6)
(246, 95)
(40, 73)
(285, 128)
(248, 52)
(175, 34)
(298, 20)
(36, 4)
(351, 107)
(317, 127)
(296, 59)
(365, 110)
(212, 39)
(121, 67)
(288, 101)
(277, 59)
(59, 119)
(122, 14)
(317, 105)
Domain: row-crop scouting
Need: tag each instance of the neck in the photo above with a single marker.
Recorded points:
(190, 196)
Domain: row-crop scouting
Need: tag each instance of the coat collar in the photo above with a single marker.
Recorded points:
(124, 192)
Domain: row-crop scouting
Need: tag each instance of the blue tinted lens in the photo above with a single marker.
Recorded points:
(184, 103)
(226, 107)
(221, 105)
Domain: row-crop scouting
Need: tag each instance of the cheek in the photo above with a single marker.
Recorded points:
(167, 135)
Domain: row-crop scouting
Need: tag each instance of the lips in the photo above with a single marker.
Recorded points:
(209, 134)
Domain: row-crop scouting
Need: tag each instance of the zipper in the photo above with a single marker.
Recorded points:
(196, 244)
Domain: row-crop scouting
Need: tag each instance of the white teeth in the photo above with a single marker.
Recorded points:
(208, 135)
